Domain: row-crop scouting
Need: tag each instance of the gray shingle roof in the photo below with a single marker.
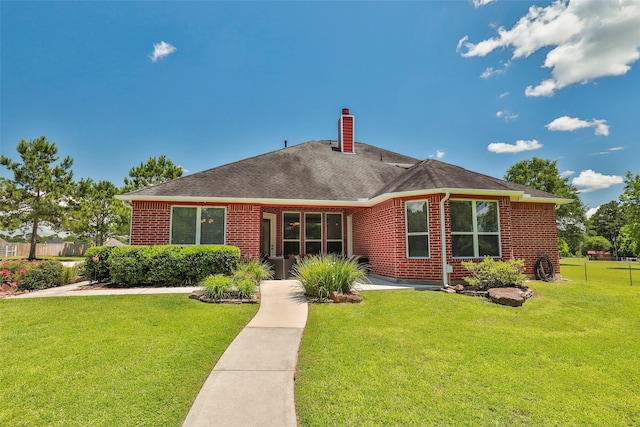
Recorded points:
(313, 170)
(316, 170)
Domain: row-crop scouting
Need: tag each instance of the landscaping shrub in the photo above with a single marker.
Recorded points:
(160, 265)
(255, 270)
(128, 266)
(40, 275)
(245, 288)
(69, 274)
(217, 286)
(495, 274)
(323, 274)
(96, 263)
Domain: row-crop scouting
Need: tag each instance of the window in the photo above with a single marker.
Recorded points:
(334, 233)
(417, 222)
(475, 230)
(312, 233)
(291, 233)
(197, 225)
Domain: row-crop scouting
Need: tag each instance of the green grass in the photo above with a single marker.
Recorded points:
(109, 360)
(568, 357)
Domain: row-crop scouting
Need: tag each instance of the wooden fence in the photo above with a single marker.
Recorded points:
(43, 249)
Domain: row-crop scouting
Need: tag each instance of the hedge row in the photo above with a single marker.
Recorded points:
(162, 265)
(31, 275)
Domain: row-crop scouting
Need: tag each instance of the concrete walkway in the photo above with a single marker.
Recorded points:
(253, 382)
(72, 291)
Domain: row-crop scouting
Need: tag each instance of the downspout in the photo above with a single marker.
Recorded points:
(443, 239)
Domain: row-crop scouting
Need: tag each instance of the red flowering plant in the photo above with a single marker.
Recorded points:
(11, 271)
(30, 274)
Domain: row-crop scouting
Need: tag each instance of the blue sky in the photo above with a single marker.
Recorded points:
(481, 84)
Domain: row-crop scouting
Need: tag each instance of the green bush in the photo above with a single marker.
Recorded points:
(323, 274)
(217, 286)
(495, 274)
(245, 288)
(128, 265)
(96, 263)
(160, 265)
(69, 274)
(255, 270)
(41, 275)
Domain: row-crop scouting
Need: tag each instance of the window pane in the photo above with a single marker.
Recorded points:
(312, 248)
(417, 217)
(291, 248)
(418, 246)
(313, 226)
(183, 226)
(291, 226)
(334, 226)
(334, 248)
(488, 245)
(462, 246)
(487, 216)
(212, 226)
(461, 215)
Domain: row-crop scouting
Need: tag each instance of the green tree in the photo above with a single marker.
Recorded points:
(543, 175)
(607, 222)
(627, 245)
(97, 214)
(595, 243)
(630, 200)
(153, 172)
(39, 189)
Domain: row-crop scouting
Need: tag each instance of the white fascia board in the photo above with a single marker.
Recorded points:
(516, 196)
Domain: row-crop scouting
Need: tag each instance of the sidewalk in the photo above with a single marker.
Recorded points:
(70, 291)
(253, 382)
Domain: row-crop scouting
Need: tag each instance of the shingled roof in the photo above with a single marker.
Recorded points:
(318, 171)
(313, 170)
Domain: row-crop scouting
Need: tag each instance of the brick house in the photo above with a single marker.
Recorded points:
(352, 198)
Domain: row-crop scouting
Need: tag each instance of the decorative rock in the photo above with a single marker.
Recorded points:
(512, 297)
(338, 297)
(458, 288)
(448, 290)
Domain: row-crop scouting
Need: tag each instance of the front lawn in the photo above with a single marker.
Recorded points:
(570, 356)
(109, 360)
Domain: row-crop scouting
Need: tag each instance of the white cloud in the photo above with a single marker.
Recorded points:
(439, 154)
(587, 40)
(591, 211)
(490, 71)
(160, 50)
(566, 173)
(592, 181)
(569, 124)
(504, 95)
(480, 3)
(506, 115)
(616, 148)
(520, 145)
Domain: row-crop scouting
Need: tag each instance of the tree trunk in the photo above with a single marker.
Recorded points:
(34, 237)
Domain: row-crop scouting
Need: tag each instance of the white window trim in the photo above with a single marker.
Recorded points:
(420, 233)
(341, 240)
(198, 218)
(475, 233)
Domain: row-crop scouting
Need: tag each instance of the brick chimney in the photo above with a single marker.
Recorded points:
(346, 132)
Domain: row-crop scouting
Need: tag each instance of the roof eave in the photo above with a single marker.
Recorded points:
(515, 196)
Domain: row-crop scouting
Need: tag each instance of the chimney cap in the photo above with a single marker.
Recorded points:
(345, 111)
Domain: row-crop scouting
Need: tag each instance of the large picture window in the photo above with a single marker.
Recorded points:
(475, 228)
(192, 225)
(291, 233)
(417, 222)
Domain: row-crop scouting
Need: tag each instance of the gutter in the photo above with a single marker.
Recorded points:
(443, 241)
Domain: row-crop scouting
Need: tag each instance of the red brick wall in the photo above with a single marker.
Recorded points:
(150, 223)
(534, 233)
(379, 234)
(243, 229)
